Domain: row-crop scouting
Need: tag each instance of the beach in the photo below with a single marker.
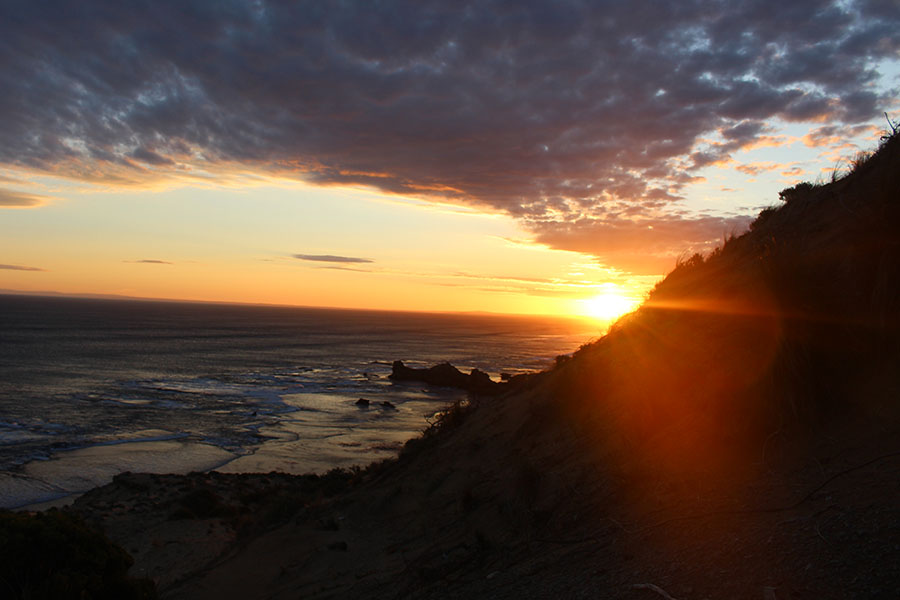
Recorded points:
(93, 388)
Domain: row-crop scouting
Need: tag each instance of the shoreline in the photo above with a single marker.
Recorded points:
(73, 473)
(240, 379)
(302, 442)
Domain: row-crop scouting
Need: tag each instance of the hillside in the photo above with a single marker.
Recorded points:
(780, 333)
(736, 437)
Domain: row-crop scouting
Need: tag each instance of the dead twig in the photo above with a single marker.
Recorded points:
(895, 127)
(832, 478)
(819, 533)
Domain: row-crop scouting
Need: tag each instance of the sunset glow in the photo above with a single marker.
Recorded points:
(426, 298)
(609, 306)
(444, 175)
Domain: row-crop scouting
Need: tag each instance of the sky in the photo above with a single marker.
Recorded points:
(499, 156)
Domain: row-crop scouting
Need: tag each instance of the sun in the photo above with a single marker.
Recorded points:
(608, 306)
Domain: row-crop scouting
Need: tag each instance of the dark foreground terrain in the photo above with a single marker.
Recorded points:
(736, 437)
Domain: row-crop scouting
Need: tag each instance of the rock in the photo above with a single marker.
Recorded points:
(443, 374)
(446, 375)
(362, 403)
(479, 380)
(388, 405)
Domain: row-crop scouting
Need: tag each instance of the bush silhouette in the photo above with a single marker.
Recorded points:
(800, 190)
(55, 555)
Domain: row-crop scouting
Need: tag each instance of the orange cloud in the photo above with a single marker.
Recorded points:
(754, 169)
(13, 199)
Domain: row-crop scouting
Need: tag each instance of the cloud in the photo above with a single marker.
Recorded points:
(830, 135)
(20, 268)
(570, 286)
(331, 258)
(354, 270)
(11, 199)
(150, 261)
(645, 246)
(547, 111)
(754, 169)
(793, 172)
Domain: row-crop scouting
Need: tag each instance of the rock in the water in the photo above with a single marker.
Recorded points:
(479, 380)
(443, 374)
(388, 405)
(362, 403)
(447, 375)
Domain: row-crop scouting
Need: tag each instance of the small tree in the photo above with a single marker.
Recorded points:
(798, 191)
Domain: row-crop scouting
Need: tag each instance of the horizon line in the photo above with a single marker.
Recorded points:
(126, 298)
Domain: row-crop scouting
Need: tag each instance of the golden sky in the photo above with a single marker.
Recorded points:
(547, 159)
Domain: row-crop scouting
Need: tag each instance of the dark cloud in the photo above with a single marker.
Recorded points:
(11, 199)
(150, 157)
(548, 111)
(331, 258)
(20, 268)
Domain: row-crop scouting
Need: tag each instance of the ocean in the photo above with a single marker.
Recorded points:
(91, 388)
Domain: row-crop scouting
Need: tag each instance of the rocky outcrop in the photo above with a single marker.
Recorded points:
(447, 375)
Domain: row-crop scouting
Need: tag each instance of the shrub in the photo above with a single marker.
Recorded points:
(56, 556)
(801, 190)
(763, 216)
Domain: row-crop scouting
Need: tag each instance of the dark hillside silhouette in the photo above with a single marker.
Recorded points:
(787, 327)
